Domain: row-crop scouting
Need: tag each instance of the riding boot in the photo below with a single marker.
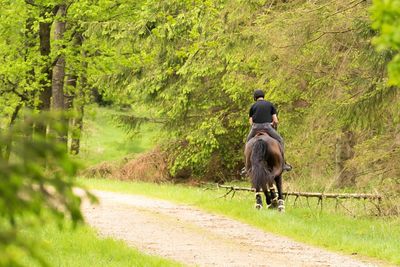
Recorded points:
(286, 167)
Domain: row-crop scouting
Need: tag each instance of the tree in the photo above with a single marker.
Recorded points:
(198, 62)
(58, 73)
(31, 194)
(37, 175)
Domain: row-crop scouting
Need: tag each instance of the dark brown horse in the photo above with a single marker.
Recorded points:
(264, 163)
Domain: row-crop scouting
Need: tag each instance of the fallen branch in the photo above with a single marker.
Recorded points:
(309, 194)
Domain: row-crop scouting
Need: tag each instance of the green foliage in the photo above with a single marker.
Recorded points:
(198, 62)
(37, 185)
(386, 20)
(174, 69)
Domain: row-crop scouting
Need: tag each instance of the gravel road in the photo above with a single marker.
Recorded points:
(194, 237)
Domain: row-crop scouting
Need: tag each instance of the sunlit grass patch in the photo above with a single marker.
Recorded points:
(102, 139)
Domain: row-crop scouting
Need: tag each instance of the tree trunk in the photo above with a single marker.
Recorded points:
(77, 130)
(69, 96)
(80, 108)
(344, 151)
(59, 72)
(30, 43)
(12, 122)
(69, 99)
(45, 94)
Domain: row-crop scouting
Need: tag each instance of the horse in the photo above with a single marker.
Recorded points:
(264, 162)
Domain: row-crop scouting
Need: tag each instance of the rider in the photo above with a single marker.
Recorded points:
(263, 117)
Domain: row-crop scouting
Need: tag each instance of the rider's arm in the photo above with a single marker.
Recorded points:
(251, 112)
(274, 116)
(275, 120)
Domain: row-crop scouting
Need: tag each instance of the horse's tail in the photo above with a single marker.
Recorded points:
(261, 176)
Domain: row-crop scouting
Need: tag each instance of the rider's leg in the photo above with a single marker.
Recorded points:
(274, 134)
(246, 167)
(251, 134)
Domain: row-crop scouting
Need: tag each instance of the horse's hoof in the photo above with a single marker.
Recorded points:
(281, 205)
(258, 206)
(274, 202)
(281, 208)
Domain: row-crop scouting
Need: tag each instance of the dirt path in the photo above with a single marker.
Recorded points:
(193, 237)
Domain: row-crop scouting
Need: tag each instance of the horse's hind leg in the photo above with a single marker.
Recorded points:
(259, 204)
(267, 198)
(259, 198)
(281, 202)
(270, 196)
(274, 198)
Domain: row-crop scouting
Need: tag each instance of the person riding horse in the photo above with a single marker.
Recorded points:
(263, 118)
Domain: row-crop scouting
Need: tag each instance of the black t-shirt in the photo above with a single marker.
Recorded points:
(262, 111)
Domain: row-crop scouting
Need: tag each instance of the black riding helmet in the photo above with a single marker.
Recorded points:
(257, 94)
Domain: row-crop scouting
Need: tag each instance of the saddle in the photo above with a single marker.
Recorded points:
(261, 132)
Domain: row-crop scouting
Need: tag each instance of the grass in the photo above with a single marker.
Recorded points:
(103, 140)
(369, 236)
(82, 247)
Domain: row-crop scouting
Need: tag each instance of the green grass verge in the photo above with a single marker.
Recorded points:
(372, 237)
(102, 139)
(82, 247)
